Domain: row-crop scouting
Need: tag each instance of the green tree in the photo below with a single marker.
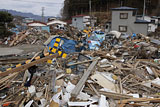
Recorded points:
(5, 22)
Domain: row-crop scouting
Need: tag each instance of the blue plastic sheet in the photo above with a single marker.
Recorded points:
(68, 46)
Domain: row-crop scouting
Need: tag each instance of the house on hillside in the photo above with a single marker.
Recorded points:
(28, 20)
(51, 19)
(82, 21)
(56, 24)
(124, 20)
(38, 25)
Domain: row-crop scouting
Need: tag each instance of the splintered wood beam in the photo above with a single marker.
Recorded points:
(53, 80)
(94, 89)
(7, 77)
(115, 95)
(138, 100)
(82, 81)
(24, 67)
(79, 62)
(151, 64)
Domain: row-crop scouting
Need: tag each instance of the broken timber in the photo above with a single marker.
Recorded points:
(24, 67)
(115, 95)
(54, 52)
(82, 81)
(80, 62)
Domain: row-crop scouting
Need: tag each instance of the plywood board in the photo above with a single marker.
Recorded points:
(105, 83)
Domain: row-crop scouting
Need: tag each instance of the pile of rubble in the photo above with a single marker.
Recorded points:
(38, 37)
(30, 36)
(120, 74)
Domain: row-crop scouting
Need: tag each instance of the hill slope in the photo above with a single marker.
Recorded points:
(17, 13)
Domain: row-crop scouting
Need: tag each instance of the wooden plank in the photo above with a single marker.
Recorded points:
(82, 81)
(53, 81)
(94, 89)
(22, 102)
(151, 64)
(105, 83)
(122, 105)
(142, 104)
(115, 95)
(24, 67)
(120, 85)
(135, 66)
(14, 94)
(80, 62)
(7, 77)
(155, 73)
(139, 100)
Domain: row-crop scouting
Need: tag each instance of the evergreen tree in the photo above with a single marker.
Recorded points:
(5, 22)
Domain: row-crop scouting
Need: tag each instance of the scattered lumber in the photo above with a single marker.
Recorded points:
(82, 81)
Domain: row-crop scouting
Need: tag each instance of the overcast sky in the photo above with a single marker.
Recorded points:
(52, 7)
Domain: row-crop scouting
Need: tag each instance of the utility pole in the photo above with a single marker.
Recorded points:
(144, 8)
(90, 12)
(121, 3)
(42, 14)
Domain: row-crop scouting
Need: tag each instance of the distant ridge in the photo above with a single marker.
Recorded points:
(17, 13)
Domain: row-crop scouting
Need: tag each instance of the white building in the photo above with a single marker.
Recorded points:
(28, 20)
(39, 26)
(36, 24)
(56, 24)
(82, 21)
(152, 26)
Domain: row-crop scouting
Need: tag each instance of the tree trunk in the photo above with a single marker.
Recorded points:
(158, 8)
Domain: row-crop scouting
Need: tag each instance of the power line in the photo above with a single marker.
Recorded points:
(42, 14)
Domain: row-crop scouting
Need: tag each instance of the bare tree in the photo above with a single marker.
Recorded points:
(157, 12)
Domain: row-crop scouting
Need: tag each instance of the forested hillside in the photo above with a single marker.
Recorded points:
(75, 7)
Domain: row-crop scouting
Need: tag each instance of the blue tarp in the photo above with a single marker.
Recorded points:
(95, 40)
(14, 30)
(100, 35)
(68, 46)
(46, 28)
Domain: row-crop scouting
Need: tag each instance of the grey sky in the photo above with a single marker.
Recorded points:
(52, 7)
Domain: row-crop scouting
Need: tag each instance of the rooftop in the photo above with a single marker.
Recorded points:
(37, 23)
(56, 22)
(141, 21)
(124, 8)
(79, 15)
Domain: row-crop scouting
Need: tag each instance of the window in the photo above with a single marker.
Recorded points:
(123, 28)
(107, 26)
(153, 21)
(87, 25)
(123, 15)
